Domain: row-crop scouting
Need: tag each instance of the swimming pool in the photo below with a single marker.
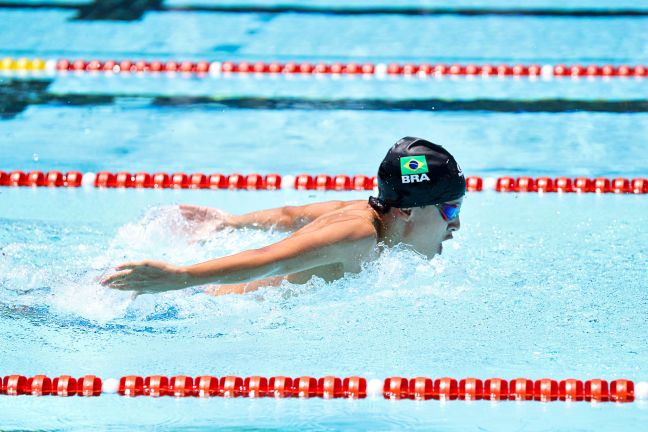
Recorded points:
(535, 285)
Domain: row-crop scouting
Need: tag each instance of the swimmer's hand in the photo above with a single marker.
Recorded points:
(213, 219)
(147, 277)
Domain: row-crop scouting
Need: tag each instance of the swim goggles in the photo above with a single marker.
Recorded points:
(449, 212)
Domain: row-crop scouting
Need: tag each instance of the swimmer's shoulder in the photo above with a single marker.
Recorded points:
(357, 218)
(349, 206)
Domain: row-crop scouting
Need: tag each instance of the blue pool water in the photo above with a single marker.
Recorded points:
(533, 285)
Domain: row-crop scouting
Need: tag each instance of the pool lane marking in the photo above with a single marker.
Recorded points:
(555, 105)
(416, 11)
(322, 182)
(132, 10)
(18, 98)
(17, 94)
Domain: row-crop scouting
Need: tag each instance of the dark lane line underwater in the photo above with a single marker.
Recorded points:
(130, 10)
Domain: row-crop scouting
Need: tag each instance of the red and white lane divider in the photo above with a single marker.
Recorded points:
(322, 182)
(306, 68)
(355, 387)
(371, 69)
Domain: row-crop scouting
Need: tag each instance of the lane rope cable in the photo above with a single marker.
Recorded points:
(206, 68)
(330, 387)
(306, 182)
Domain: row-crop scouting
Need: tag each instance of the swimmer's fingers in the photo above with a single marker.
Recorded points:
(203, 214)
(104, 271)
(130, 273)
(123, 285)
(116, 277)
(186, 211)
(147, 277)
(194, 213)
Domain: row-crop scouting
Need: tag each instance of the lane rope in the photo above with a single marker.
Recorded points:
(306, 182)
(330, 387)
(206, 68)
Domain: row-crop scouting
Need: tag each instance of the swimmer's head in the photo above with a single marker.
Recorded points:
(419, 183)
(417, 173)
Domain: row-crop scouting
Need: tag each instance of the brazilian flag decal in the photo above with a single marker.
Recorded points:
(413, 165)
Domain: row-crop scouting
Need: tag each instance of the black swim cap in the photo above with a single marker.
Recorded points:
(417, 173)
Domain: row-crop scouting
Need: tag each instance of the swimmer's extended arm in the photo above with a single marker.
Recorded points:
(287, 217)
(284, 218)
(326, 245)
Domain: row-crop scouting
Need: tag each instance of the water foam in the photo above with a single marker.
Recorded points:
(72, 287)
(162, 234)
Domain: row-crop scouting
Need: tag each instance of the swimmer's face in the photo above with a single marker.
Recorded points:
(427, 230)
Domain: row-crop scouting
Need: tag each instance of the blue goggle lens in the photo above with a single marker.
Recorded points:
(449, 212)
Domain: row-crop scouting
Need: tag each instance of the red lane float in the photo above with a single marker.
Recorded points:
(230, 386)
(14, 385)
(367, 69)
(445, 389)
(471, 389)
(305, 387)
(89, 385)
(330, 387)
(597, 390)
(563, 184)
(235, 181)
(571, 390)
(421, 388)
(505, 184)
(525, 184)
(354, 387)
(255, 386)
(545, 390)
(320, 182)
(160, 180)
(131, 385)
(396, 388)
(521, 389)
(206, 386)
(474, 184)
(39, 385)
(544, 184)
(583, 185)
(181, 386)
(622, 390)
(496, 389)
(64, 385)
(280, 387)
(156, 386)
(143, 180)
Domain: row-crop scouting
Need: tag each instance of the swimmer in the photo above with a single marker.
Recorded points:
(420, 191)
